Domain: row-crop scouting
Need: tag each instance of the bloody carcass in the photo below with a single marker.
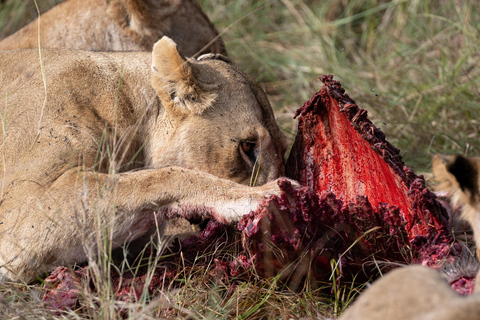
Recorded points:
(362, 211)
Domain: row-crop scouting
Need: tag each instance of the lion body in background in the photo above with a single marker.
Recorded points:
(120, 25)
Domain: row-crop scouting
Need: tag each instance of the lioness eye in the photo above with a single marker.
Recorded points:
(247, 150)
(247, 146)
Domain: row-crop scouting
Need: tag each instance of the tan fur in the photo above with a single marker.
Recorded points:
(448, 183)
(417, 292)
(177, 77)
(97, 147)
(120, 25)
(413, 292)
(468, 198)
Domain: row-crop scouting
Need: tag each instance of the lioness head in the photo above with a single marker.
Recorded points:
(215, 118)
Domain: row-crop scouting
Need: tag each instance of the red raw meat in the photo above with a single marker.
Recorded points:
(338, 149)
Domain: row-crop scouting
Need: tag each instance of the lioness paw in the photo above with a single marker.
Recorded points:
(280, 184)
(247, 199)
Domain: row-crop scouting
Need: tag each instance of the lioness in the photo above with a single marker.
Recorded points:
(120, 140)
(120, 25)
(417, 292)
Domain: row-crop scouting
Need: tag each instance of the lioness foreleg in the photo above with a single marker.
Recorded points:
(80, 206)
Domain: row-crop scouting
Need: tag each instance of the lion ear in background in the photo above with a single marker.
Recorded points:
(174, 81)
(458, 176)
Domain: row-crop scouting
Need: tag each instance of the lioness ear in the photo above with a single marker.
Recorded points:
(174, 81)
(456, 173)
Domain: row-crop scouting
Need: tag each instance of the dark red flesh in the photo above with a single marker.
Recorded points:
(463, 285)
(61, 288)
